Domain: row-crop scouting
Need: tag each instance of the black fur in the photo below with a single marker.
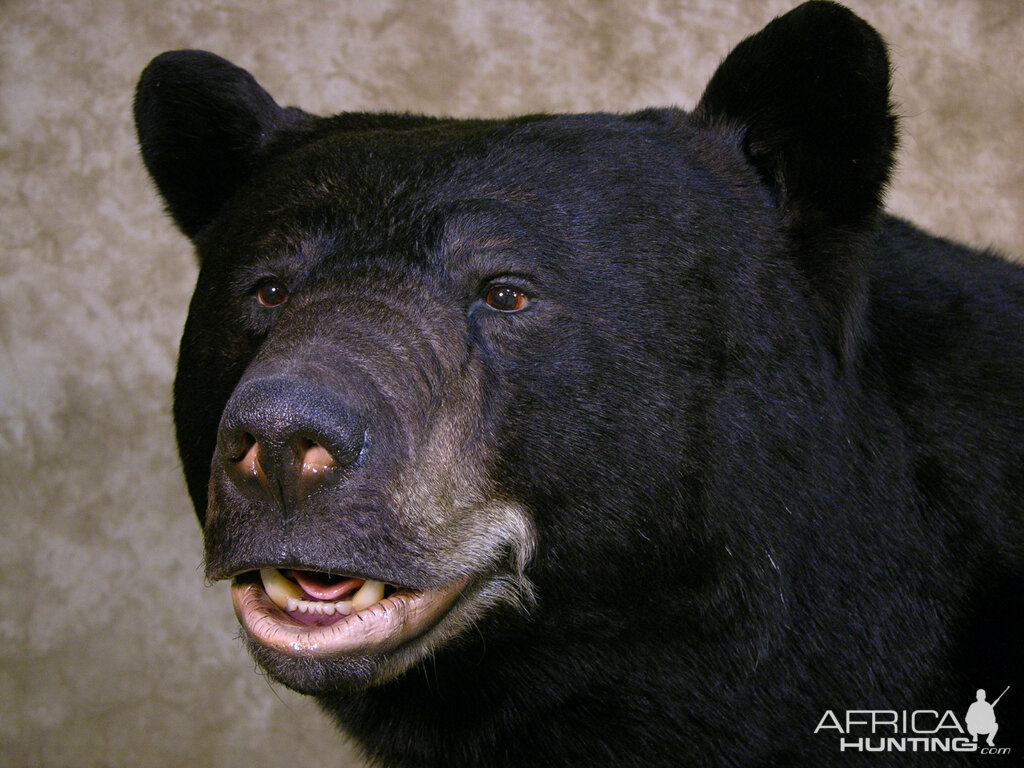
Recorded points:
(767, 437)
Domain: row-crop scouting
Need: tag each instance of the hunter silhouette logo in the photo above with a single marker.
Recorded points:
(981, 717)
(919, 730)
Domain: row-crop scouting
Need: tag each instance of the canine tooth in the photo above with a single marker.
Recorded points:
(371, 592)
(278, 588)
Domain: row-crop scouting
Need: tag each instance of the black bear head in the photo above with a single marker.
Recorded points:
(479, 361)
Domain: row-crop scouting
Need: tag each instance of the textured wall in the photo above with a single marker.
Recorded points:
(111, 650)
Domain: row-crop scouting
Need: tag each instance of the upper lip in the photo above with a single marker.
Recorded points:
(408, 574)
(235, 550)
(253, 570)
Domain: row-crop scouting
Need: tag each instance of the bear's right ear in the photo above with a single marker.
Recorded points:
(201, 123)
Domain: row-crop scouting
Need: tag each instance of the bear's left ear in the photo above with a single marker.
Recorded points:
(809, 97)
(202, 123)
(811, 94)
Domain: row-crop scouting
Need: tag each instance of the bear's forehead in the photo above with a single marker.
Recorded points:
(469, 195)
(454, 177)
(519, 160)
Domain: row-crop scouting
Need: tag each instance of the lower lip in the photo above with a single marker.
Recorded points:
(382, 627)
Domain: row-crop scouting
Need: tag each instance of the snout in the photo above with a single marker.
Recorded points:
(284, 438)
(349, 508)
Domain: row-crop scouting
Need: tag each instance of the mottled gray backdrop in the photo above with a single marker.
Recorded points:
(112, 652)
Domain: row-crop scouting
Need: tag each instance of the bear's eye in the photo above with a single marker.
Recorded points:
(271, 292)
(505, 298)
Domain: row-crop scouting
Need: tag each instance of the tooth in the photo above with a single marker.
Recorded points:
(371, 592)
(278, 588)
(288, 595)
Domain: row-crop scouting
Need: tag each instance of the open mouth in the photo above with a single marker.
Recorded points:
(314, 598)
(302, 612)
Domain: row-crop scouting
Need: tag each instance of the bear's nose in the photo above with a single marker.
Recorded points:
(287, 437)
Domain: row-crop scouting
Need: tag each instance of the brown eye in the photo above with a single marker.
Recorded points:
(272, 292)
(505, 298)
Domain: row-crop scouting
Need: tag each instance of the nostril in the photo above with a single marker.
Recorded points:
(314, 458)
(246, 459)
(242, 446)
